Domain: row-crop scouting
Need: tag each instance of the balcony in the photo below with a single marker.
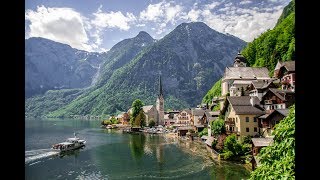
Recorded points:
(269, 101)
(230, 123)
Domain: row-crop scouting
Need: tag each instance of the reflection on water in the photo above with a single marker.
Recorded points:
(109, 154)
(137, 143)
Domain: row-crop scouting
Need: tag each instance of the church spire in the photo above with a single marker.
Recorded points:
(160, 86)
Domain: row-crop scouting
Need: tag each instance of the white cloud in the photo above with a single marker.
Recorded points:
(172, 12)
(161, 14)
(63, 25)
(141, 25)
(113, 20)
(245, 2)
(153, 12)
(193, 14)
(245, 23)
(212, 5)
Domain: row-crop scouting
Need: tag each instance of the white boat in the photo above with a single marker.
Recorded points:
(69, 144)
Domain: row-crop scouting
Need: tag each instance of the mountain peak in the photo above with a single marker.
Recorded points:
(144, 35)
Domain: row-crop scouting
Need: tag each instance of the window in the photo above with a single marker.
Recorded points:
(247, 119)
(255, 129)
(247, 129)
(254, 119)
(236, 120)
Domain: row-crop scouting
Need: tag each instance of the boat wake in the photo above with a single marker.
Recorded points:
(34, 155)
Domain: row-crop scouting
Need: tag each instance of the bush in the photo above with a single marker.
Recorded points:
(247, 139)
(203, 132)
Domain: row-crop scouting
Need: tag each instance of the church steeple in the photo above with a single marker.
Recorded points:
(160, 87)
(160, 104)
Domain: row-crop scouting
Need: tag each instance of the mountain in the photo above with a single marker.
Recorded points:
(274, 45)
(116, 57)
(270, 47)
(53, 65)
(122, 53)
(190, 59)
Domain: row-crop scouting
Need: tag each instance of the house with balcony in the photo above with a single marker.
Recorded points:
(258, 88)
(285, 71)
(269, 120)
(241, 114)
(197, 120)
(170, 117)
(184, 118)
(277, 99)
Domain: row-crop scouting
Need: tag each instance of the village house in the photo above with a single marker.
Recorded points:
(184, 118)
(268, 121)
(277, 99)
(257, 144)
(123, 118)
(150, 112)
(196, 120)
(236, 80)
(170, 117)
(240, 115)
(285, 71)
(241, 76)
(259, 87)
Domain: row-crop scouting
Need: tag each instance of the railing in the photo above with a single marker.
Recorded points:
(228, 122)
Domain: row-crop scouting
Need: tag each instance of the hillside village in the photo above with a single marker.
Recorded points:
(251, 104)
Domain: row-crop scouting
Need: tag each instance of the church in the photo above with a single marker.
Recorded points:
(160, 105)
(155, 113)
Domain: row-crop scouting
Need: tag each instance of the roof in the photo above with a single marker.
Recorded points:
(246, 73)
(283, 112)
(280, 93)
(241, 82)
(187, 110)
(262, 142)
(240, 58)
(197, 112)
(289, 65)
(242, 100)
(261, 84)
(209, 141)
(242, 105)
(147, 108)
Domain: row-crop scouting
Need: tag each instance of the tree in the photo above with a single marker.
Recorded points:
(218, 127)
(203, 132)
(136, 108)
(140, 120)
(277, 161)
(233, 149)
(247, 139)
(113, 120)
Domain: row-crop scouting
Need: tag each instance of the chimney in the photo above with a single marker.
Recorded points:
(251, 101)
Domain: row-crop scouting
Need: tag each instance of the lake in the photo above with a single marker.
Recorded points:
(110, 154)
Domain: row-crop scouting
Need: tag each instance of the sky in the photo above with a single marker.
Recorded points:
(97, 25)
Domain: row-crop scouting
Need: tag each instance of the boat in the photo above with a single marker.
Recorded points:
(69, 144)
